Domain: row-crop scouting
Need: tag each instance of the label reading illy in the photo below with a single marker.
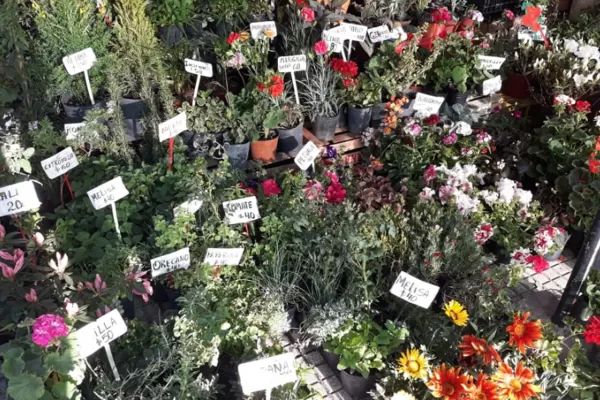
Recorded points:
(99, 333)
(179, 259)
(60, 163)
(107, 193)
(414, 290)
(241, 211)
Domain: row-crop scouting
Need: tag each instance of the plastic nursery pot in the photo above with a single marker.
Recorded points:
(75, 114)
(171, 34)
(358, 119)
(133, 111)
(193, 30)
(331, 359)
(456, 97)
(324, 127)
(377, 114)
(237, 154)
(516, 86)
(290, 140)
(264, 150)
(356, 386)
(343, 117)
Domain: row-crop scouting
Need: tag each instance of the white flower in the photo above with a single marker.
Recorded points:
(597, 120)
(71, 308)
(469, 170)
(579, 79)
(427, 194)
(402, 395)
(476, 16)
(564, 99)
(461, 128)
(489, 197)
(586, 52)
(61, 264)
(571, 45)
(480, 177)
(466, 205)
(506, 189)
(525, 197)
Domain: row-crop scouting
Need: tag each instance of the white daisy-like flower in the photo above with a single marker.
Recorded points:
(462, 128)
(571, 45)
(579, 79)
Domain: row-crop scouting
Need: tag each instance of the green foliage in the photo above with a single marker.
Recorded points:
(171, 12)
(365, 93)
(210, 115)
(318, 91)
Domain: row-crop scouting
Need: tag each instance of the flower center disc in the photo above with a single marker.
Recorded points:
(413, 366)
(448, 389)
(520, 330)
(453, 314)
(515, 385)
(480, 396)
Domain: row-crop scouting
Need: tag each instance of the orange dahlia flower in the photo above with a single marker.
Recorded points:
(448, 383)
(515, 385)
(482, 389)
(523, 333)
(472, 345)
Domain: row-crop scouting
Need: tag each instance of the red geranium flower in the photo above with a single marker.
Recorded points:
(308, 14)
(432, 119)
(349, 82)
(274, 87)
(271, 188)
(592, 331)
(345, 68)
(583, 106)
(320, 47)
(335, 193)
(248, 190)
(539, 263)
(232, 38)
(593, 166)
(441, 15)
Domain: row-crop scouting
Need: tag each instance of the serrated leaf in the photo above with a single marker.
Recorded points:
(26, 387)
(13, 363)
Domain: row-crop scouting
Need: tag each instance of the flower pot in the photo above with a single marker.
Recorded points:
(516, 86)
(456, 97)
(331, 359)
(465, 24)
(133, 111)
(193, 30)
(343, 117)
(553, 256)
(356, 386)
(75, 114)
(358, 119)
(237, 154)
(290, 140)
(378, 112)
(264, 150)
(324, 127)
(171, 34)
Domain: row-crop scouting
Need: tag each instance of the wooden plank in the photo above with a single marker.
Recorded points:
(309, 136)
(349, 145)
(345, 137)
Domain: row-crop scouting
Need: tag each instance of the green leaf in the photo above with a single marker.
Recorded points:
(29, 152)
(25, 165)
(13, 363)
(66, 390)
(60, 363)
(26, 387)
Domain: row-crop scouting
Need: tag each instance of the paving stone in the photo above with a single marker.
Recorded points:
(341, 395)
(310, 377)
(332, 384)
(314, 358)
(323, 371)
(563, 269)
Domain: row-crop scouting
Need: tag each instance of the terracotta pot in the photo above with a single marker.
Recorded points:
(264, 150)
(451, 26)
(465, 24)
(516, 86)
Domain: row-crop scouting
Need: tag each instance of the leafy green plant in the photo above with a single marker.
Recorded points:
(362, 92)
(318, 91)
(171, 12)
(210, 115)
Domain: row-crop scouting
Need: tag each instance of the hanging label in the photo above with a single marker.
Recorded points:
(489, 63)
(414, 290)
(170, 262)
(72, 130)
(263, 30)
(307, 155)
(267, 373)
(355, 32)
(223, 256)
(198, 67)
(60, 163)
(427, 104)
(80, 61)
(379, 34)
(492, 85)
(172, 127)
(18, 198)
(99, 333)
(187, 207)
(334, 40)
(291, 63)
(241, 211)
(107, 193)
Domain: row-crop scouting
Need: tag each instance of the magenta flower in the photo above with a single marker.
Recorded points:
(99, 312)
(2, 232)
(148, 290)
(332, 176)
(517, 114)
(18, 258)
(429, 174)
(31, 297)
(450, 139)
(47, 329)
(313, 190)
(97, 286)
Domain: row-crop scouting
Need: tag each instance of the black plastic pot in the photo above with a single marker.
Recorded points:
(358, 119)
(331, 359)
(193, 30)
(171, 34)
(324, 127)
(456, 97)
(378, 113)
(237, 154)
(356, 386)
(133, 111)
(75, 114)
(290, 140)
(343, 117)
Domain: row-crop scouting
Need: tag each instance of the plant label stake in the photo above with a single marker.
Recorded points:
(263, 30)
(334, 38)
(99, 334)
(188, 207)
(489, 63)
(198, 68)
(379, 34)
(109, 193)
(292, 64)
(60, 164)
(171, 128)
(306, 156)
(218, 257)
(490, 86)
(179, 259)
(241, 211)
(355, 32)
(79, 62)
(428, 104)
(18, 198)
(414, 290)
(267, 373)
(72, 130)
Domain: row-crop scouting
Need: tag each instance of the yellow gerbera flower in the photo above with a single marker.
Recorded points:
(413, 364)
(457, 313)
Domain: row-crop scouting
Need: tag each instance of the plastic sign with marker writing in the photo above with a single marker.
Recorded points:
(427, 104)
(334, 39)
(72, 130)
(379, 34)
(188, 207)
(492, 85)
(108, 193)
(179, 259)
(398, 33)
(18, 198)
(223, 256)
(489, 63)
(355, 32)
(414, 290)
(99, 333)
(172, 127)
(198, 67)
(267, 373)
(307, 155)
(241, 211)
(80, 61)
(291, 63)
(263, 30)
(60, 163)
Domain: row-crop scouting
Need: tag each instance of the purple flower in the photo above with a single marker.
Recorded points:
(517, 114)
(47, 328)
(330, 152)
(450, 139)
(413, 130)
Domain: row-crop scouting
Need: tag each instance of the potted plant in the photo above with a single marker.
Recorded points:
(360, 95)
(440, 17)
(291, 129)
(264, 141)
(170, 16)
(394, 12)
(243, 127)
(549, 242)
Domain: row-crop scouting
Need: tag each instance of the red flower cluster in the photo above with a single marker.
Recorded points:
(483, 233)
(232, 38)
(335, 193)
(539, 263)
(349, 82)
(594, 165)
(432, 119)
(592, 331)
(583, 106)
(274, 86)
(429, 174)
(345, 68)
(271, 188)
(403, 45)
(441, 15)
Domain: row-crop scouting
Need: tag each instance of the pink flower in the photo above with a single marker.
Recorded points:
(313, 190)
(332, 176)
(320, 47)
(99, 311)
(271, 188)
(308, 14)
(148, 290)
(2, 232)
(509, 15)
(31, 297)
(335, 193)
(429, 174)
(18, 258)
(248, 190)
(539, 263)
(47, 329)
(485, 45)
(483, 233)
(483, 137)
(60, 265)
(450, 139)
(71, 308)
(413, 130)
(38, 239)
(445, 193)
(97, 286)
(466, 151)
(517, 114)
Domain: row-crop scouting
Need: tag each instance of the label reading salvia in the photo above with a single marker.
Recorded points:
(490, 63)
(355, 32)
(291, 63)
(198, 67)
(60, 163)
(80, 61)
(99, 333)
(72, 130)
(223, 256)
(171, 262)
(379, 34)
(172, 127)
(427, 104)
(414, 290)
(492, 85)
(18, 198)
(241, 211)
(187, 207)
(267, 373)
(307, 155)
(263, 30)
(108, 193)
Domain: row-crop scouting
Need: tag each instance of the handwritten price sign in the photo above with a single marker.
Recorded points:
(241, 211)
(414, 290)
(60, 163)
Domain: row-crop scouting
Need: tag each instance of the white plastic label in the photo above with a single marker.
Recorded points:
(263, 30)
(179, 259)
(60, 163)
(99, 333)
(267, 373)
(72, 130)
(291, 63)
(489, 63)
(379, 34)
(427, 104)
(414, 290)
(80, 61)
(18, 198)
(172, 127)
(198, 67)
(398, 33)
(241, 211)
(355, 32)
(223, 256)
(188, 207)
(334, 39)
(108, 193)
(492, 85)
(307, 155)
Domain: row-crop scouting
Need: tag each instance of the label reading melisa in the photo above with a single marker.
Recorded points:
(172, 127)
(223, 256)
(18, 198)
(179, 259)
(108, 193)
(291, 63)
(267, 373)
(307, 155)
(78, 62)
(414, 290)
(241, 211)
(427, 104)
(99, 333)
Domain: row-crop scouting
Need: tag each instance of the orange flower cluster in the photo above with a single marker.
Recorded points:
(473, 346)
(594, 165)
(523, 333)
(394, 108)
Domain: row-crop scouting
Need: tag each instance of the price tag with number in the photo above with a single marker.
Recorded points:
(263, 30)
(267, 373)
(107, 193)
(492, 85)
(241, 211)
(307, 155)
(60, 163)
(78, 62)
(18, 198)
(223, 256)
(427, 104)
(179, 259)
(198, 67)
(491, 63)
(172, 127)
(414, 290)
(96, 335)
